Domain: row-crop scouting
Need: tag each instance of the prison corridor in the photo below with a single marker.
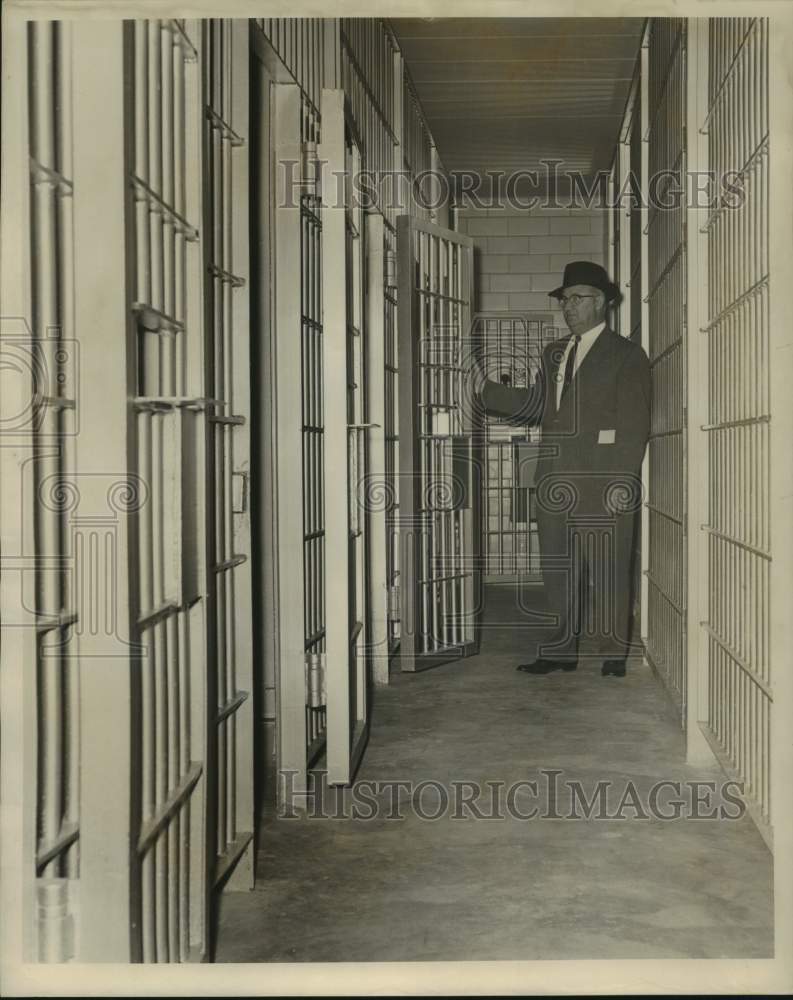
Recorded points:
(413, 889)
(250, 498)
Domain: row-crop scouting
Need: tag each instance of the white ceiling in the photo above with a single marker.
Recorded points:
(505, 93)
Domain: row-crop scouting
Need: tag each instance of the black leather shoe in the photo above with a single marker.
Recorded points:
(613, 668)
(542, 666)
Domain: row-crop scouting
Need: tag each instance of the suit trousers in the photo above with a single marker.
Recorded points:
(587, 560)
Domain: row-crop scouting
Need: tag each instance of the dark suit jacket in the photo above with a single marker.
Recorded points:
(601, 428)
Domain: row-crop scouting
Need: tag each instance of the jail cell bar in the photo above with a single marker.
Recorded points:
(305, 49)
(513, 347)
(440, 578)
(169, 414)
(298, 430)
(371, 77)
(616, 238)
(417, 154)
(303, 45)
(226, 258)
(346, 440)
(666, 295)
(313, 374)
(437, 525)
(391, 434)
(187, 388)
(53, 351)
(363, 56)
(738, 424)
(358, 428)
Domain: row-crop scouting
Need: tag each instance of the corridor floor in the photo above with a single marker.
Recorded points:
(415, 889)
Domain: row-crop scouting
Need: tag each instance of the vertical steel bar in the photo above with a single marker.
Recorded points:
(155, 162)
(218, 438)
(142, 207)
(148, 668)
(68, 388)
(161, 736)
(168, 180)
(436, 463)
(186, 875)
(179, 196)
(174, 830)
(424, 423)
(228, 394)
(45, 324)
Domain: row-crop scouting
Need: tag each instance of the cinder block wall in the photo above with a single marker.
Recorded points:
(521, 253)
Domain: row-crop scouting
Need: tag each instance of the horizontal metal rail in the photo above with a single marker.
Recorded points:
(151, 829)
(763, 685)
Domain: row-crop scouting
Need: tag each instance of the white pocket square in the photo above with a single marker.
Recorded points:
(607, 437)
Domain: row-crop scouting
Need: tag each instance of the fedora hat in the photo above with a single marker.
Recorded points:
(584, 272)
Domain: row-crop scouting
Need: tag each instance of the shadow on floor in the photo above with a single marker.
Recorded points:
(475, 888)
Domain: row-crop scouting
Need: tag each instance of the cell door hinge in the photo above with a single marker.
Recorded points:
(316, 683)
(392, 606)
(389, 269)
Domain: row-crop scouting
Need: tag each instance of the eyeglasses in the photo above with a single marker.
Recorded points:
(574, 299)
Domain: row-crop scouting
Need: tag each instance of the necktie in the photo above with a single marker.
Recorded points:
(570, 366)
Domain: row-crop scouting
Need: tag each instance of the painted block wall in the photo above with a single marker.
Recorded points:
(521, 253)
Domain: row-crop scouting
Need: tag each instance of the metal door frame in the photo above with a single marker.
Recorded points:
(378, 490)
(291, 684)
(346, 445)
(263, 420)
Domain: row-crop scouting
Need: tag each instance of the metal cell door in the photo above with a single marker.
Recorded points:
(191, 441)
(230, 743)
(439, 461)
(513, 346)
(169, 421)
(346, 442)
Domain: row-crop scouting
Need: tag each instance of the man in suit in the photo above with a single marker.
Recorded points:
(591, 399)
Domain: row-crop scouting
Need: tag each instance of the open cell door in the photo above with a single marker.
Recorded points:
(347, 442)
(439, 455)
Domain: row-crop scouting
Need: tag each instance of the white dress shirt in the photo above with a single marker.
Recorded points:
(586, 342)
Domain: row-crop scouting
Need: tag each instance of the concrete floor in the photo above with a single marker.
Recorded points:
(412, 889)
